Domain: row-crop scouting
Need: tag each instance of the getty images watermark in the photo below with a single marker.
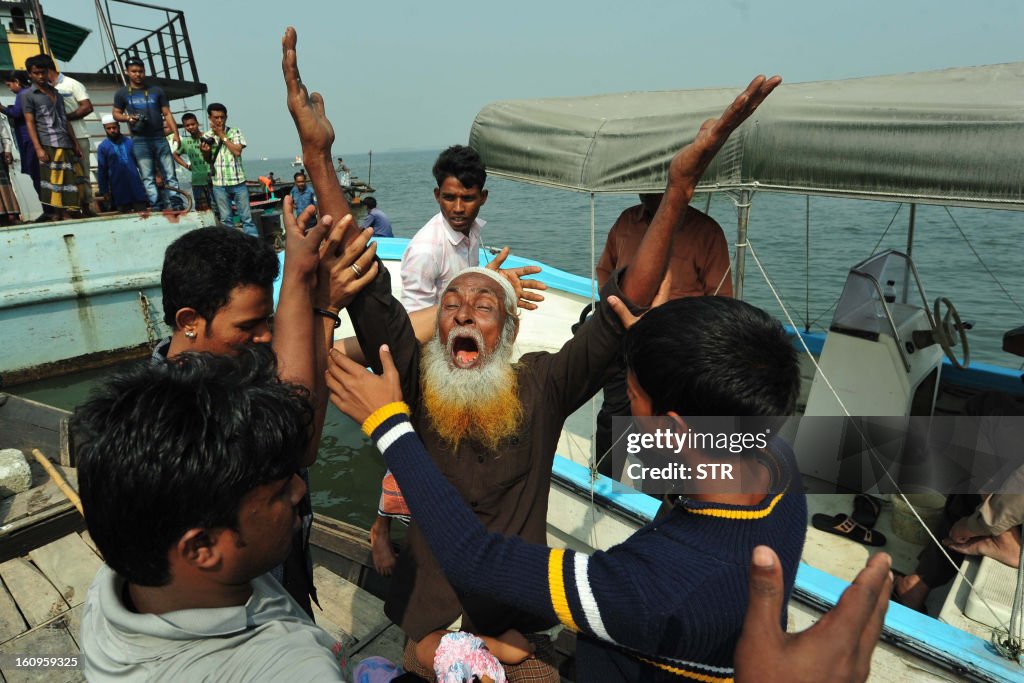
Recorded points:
(976, 454)
(659, 455)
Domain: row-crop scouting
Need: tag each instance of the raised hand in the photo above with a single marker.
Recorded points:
(837, 648)
(689, 164)
(356, 391)
(345, 269)
(315, 131)
(301, 248)
(525, 299)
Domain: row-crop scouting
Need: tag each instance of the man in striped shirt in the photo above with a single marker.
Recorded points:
(222, 147)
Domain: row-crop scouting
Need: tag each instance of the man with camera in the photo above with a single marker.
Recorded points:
(145, 109)
(222, 148)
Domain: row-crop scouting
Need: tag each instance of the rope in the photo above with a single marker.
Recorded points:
(1012, 647)
(874, 250)
(871, 450)
(983, 264)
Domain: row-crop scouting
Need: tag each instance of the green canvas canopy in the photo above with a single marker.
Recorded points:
(65, 38)
(952, 137)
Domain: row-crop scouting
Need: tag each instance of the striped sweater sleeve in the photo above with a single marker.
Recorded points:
(583, 593)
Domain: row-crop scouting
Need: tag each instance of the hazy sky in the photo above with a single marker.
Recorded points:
(412, 74)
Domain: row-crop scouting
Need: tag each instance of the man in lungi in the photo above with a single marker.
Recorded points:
(60, 169)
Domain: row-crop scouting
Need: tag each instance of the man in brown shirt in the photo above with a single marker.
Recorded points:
(699, 266)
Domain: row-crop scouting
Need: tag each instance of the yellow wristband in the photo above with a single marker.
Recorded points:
(384, 412)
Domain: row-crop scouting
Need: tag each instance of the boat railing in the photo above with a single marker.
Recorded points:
(166, 50)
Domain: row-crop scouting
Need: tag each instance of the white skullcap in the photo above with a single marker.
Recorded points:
(510, 294)
(107, 118)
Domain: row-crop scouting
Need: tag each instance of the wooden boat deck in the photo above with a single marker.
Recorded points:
(43, 593)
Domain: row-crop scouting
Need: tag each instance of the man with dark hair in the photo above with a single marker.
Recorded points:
(190, 147)
(218, 292)
(450, 241)
(376, 219)
(19, 84)
(188, 473)
(222, 147)
(218, 297)
(60, 170)
(146, 110)
(302, 196)
(77, 105)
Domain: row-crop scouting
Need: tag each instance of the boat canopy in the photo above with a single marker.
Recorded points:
(949, 137)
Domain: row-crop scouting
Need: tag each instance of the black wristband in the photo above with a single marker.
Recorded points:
(328, 314)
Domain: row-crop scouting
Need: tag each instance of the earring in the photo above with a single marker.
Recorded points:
(190, 334)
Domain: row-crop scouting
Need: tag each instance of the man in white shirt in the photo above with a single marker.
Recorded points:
(450, 241)
(188, 473)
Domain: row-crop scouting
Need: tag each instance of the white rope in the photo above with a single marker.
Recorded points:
(856, 426)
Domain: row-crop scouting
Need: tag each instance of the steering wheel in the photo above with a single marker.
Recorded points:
(943, 336)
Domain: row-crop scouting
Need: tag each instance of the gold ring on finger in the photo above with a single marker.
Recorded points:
(356, 269)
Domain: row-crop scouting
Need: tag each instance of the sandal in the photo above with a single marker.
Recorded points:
(844, 525)
(866, 510)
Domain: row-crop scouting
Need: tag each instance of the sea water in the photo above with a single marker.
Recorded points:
(806, 248)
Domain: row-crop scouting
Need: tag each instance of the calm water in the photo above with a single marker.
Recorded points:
(554, 226)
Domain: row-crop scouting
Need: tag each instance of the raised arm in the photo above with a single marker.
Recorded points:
(642, 279)
(315, 133)
(532, 577)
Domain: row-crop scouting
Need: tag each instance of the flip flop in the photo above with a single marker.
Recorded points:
(866, 510)
(844, 525)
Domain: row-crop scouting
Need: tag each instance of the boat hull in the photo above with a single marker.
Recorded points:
(80, 294)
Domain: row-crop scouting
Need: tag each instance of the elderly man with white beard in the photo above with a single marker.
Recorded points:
(492, 427)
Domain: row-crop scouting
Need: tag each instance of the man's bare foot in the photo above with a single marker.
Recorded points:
(384, 557)
(910, 591)
(1005, 547)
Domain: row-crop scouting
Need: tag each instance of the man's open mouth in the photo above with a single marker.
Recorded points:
(465, 352)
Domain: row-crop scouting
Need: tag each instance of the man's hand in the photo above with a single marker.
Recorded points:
(345, 270)
(689, 164)
(356, 391)
(525, 299)
(837, 648)
(301, 248)
(8, 158)
(959, 532)
(315, 131)
(41, 154)
(622, 310)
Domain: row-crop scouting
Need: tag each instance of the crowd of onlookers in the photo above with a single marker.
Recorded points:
(157, 167)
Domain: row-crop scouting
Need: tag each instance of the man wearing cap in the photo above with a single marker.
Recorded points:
(145, 109)
(116, 173)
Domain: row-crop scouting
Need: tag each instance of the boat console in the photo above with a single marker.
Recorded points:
(882, 358)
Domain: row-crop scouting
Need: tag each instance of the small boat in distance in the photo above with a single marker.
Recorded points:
(297, 161)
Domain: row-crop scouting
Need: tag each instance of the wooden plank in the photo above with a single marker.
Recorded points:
(390, 645)
(31, 532)
(89, 542)
(346, 540)
(74, 622)
(26, 424)
(37, 599)
(353, 609)
(52, 639)
(11, 622)
(69, 564)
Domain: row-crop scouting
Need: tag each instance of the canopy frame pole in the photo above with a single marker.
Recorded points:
(910, 230)
(742, 217)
